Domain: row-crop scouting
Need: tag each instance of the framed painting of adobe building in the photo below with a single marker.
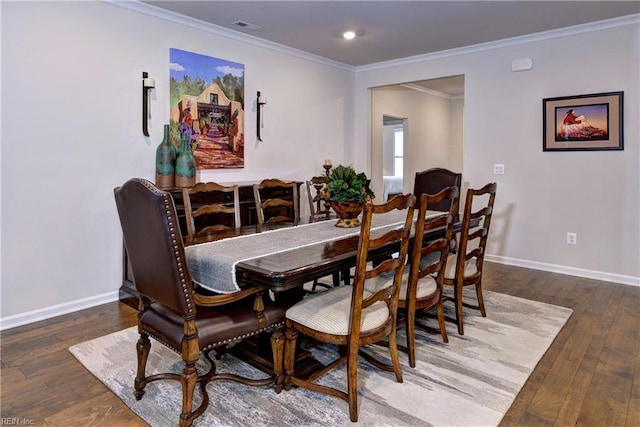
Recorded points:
(207, 103)
(583, 122)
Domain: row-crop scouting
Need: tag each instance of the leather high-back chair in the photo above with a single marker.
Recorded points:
(276, 201)
(210, 208)
(358, 315)
(171, 313)
(434, 180)
(423, 279)
(465, 267)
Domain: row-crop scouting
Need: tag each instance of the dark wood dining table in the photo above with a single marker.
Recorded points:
(285, 273)
(284, 259)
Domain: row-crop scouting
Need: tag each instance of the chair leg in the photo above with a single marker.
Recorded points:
(277, 348)
(411, 336)
(143, 346)
(291, 337)
(480, 299)
(393, 351)
(443, 328)
(352, 383)
(458, 292)
(189, 380)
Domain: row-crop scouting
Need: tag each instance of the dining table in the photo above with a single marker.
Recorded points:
(283, 257)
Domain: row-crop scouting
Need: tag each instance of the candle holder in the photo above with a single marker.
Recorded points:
(327, 167)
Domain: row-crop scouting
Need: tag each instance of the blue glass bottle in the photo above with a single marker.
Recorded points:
(185, 164)
(165, 162)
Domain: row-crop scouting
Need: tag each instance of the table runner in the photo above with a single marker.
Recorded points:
(213, 264)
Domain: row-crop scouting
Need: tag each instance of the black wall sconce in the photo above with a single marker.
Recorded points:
(147, 84)
(261, 102)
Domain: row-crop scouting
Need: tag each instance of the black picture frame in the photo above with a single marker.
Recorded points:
(590, 122)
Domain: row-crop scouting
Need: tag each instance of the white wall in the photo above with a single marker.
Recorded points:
(543, 195)
(71, 132)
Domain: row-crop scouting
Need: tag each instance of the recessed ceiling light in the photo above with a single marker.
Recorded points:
(349, 35)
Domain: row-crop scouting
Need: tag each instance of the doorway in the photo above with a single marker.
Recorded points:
(431, 112)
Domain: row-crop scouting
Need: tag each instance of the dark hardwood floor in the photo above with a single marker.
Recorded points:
(589, 376)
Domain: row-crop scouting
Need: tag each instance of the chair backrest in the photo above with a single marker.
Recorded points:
(210, 207)
(276, 201)
(473, 241)
(154, 245)
(366, 288)
(434, 180)
(314, 193)
(422, 263)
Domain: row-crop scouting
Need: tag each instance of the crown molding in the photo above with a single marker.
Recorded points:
(156, 12)
(197, 24)
(514, 41)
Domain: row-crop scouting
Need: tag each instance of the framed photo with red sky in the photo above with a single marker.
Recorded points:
(583, 122)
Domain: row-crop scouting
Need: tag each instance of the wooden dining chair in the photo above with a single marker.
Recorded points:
(314, 195)
(317, 208)
(352, 316)
(423, 278)
(276, 201)
(170, 311)
(210, 208)
(465, 267)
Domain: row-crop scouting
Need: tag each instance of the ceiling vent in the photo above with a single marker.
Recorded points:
(245, 25)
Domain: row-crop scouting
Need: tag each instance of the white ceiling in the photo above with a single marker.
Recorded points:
(389, 30)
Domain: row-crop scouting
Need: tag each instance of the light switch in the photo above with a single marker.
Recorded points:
(498, 169)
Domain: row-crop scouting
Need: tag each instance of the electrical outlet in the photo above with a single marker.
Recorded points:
(572, 238)
(498, 169)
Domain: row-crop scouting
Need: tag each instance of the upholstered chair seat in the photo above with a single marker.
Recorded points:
(216, 326)
(426, 285)
(470, 267)
(328, 312)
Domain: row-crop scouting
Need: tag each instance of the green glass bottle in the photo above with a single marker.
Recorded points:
(165, 162)
(185, 164)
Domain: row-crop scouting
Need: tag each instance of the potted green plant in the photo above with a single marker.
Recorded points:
(347, 191)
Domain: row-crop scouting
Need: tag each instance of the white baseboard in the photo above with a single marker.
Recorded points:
(56, 310)
(562, 269)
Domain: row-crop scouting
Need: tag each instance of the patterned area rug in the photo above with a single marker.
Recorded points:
(471, 381)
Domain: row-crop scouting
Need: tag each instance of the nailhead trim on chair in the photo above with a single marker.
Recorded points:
(244, 336)
(219, 343)
(176, 251)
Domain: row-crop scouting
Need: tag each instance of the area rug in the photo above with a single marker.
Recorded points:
(471, 381)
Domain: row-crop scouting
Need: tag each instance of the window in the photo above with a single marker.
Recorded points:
(398, 144)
